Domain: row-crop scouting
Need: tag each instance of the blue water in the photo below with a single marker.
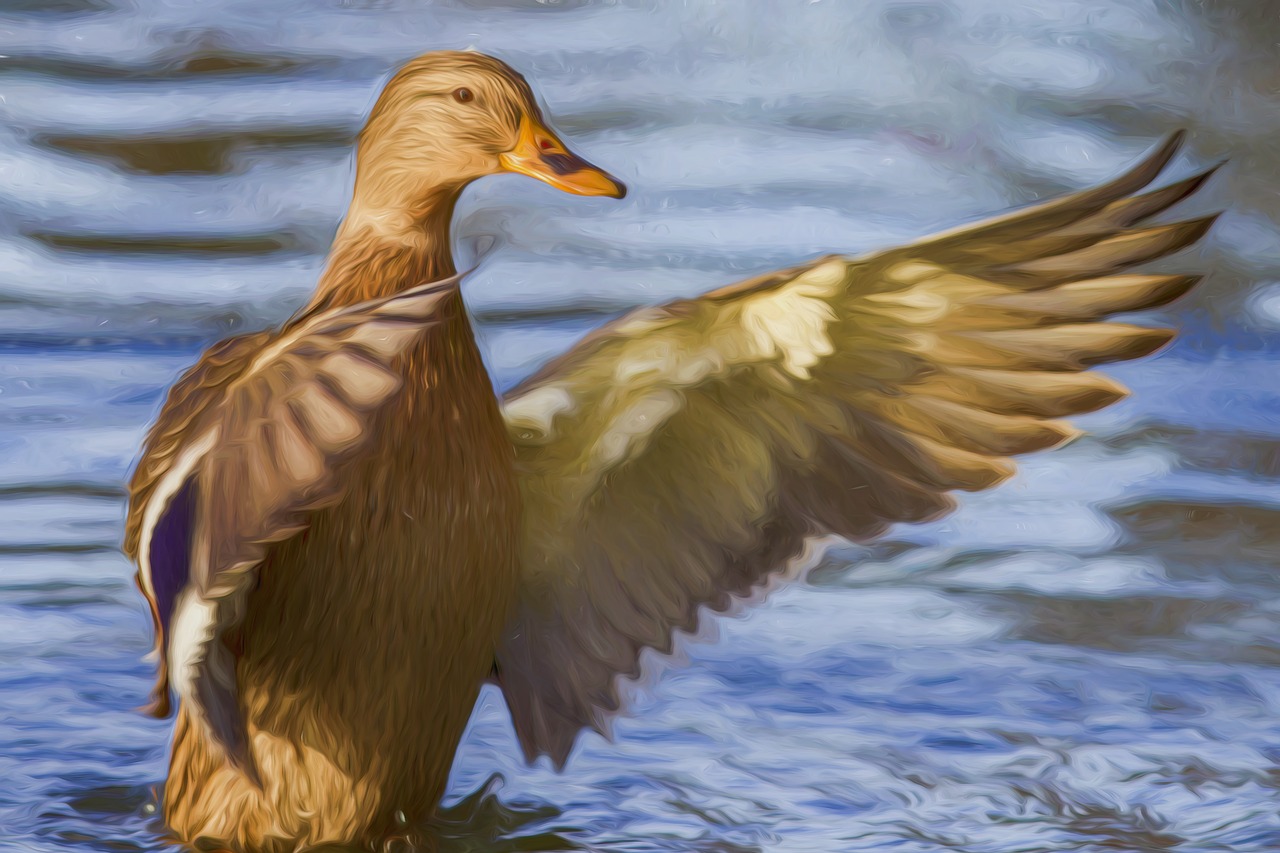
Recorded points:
(1084, 659)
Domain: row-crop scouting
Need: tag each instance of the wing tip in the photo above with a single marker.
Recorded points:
(555, 749)
(1136, 342)
(539, 730)
(980, 473)
(1190, 186)
(1145, 171)
(1154, 340)
(1173, 288)
(1192, 230)
(1165, 150)
(1150, 166)
(1062, 432)
(1002, 470)
(1105, 392)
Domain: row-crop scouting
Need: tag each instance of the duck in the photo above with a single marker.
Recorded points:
(342, 532)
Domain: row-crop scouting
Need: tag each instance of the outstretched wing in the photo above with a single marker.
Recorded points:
(682, 454)
(250, 443)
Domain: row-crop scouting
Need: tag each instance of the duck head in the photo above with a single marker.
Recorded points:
(448, 118)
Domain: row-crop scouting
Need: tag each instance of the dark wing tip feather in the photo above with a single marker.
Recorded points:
(1173, 288)
(1194, 229)
(1060, 212)
(1137, 177)
(557, 748)
(1139, 346)
(1128, 343)
(542, 726)
(1134, 209)
(1188, 187)
(1095, 399)
(1114, 253)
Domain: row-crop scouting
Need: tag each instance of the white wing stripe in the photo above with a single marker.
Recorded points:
(195, 620)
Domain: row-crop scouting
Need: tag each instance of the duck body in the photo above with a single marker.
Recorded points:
(355, 700)
(341, 532)
(326, 516)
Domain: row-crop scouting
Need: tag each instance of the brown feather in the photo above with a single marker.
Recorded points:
(1031, 393)
(1060, 212)
(1135, 209)
(1116, 253)
(970, 428)
(358, 510)
(1066, 347)
(1091, 299)
(839, 396)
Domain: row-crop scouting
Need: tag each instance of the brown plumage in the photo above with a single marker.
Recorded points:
(340, 530)
(348, 540)
(678, 456)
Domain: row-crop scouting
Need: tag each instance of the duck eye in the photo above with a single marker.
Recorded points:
(463, 95)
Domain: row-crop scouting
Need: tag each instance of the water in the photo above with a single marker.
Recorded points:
(1085, 659)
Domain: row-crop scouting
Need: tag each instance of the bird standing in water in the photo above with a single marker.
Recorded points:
(342, 532)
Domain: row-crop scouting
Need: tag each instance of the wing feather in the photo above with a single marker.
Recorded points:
(676, 458)
(1059, 213)
(250, 443)
(1091, 299)
(1105, 256)
(1033, 393)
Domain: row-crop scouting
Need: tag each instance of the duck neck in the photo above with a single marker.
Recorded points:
(381, 250)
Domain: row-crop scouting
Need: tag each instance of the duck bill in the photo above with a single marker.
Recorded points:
(539, 154)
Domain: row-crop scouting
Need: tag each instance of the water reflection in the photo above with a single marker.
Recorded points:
(1082, 660)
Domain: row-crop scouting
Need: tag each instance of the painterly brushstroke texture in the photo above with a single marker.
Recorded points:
(834, 398)
(1081, 658)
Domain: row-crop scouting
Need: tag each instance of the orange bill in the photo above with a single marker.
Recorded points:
(539, 154)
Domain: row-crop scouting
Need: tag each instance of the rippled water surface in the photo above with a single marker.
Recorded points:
(1084, 659)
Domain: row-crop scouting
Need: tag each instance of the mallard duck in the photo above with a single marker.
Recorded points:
(342, 533)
